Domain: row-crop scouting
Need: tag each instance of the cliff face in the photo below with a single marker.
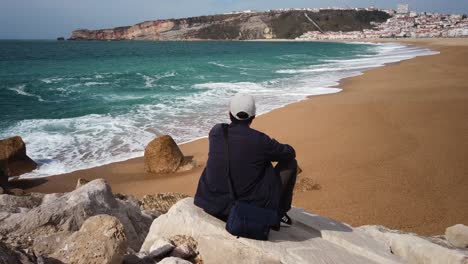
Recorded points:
(243, 26)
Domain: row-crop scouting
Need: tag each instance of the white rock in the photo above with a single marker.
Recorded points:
(311, 239)
(174, 260)
(67, 213)
(160, 247)
(414, 249)
(457, 235)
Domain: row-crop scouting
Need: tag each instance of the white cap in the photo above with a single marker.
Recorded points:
(242, 103)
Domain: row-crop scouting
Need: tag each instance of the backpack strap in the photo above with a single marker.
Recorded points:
(228, 169)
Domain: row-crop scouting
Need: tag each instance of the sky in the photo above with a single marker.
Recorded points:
(49, 19)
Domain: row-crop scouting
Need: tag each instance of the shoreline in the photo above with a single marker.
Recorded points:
(326, 167)
(324, 89)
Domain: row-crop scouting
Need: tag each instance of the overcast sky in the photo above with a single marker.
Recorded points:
(48, 19)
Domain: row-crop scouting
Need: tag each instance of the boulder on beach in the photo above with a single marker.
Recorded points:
(13, 158)
(101, 239)
(457, 235)
(162, 155)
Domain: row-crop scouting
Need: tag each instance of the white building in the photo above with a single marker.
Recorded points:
(403, 9)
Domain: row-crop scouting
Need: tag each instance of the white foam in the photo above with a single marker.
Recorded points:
(21, 91)
(150, 81)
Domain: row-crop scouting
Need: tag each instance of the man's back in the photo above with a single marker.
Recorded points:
(254, 178)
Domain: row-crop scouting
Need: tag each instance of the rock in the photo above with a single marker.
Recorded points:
(13, 158)
(161, 202)
(414, 249)
(312, 239)
(183, 251)
(16, 191)
(174, 260)
(162, 155)
(457, 235)
(12, 203)
(186, 165)
(46, 245)
(1, 190)
(185, 247)
(160, 248)
(68, 212)
(101, 239)
(81, 182)
(306, 184)
(10, 256)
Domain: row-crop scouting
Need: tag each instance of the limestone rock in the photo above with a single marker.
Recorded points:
(312, 239)
(46, 245)
(67, 213)
(160, 248)
(162, 155)
(161, 202)
(10, 256)
(457, 235)
(101, 239)
(185, 247)
(12, 203)
(13, 158)
(174, 260)
(81, 182)
(414, 249)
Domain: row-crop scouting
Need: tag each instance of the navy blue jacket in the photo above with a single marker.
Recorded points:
(254, 178)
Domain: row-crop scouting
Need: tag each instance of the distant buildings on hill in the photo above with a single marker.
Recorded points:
(403, 24)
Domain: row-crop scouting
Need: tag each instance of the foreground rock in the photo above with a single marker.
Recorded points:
(457, 235)
(101, 239)
(312, 239)
(54, 217)
(13, 158)
(162, 155)
(415, 249)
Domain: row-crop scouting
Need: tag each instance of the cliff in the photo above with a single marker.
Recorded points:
(239, 26)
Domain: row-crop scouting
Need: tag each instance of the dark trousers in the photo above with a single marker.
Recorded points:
(287, 170)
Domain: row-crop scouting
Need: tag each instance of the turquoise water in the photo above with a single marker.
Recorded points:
(83, 104)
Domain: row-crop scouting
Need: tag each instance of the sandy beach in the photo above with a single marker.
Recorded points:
(390, 149)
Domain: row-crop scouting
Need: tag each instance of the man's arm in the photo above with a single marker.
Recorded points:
(276, 151)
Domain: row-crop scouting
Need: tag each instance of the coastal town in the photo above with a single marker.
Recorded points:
(403, 23)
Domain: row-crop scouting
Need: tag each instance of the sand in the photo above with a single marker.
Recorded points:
(390, 149)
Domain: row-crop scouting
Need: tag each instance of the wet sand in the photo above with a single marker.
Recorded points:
(390, 149)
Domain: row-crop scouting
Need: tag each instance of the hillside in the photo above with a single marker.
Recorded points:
(241, 26)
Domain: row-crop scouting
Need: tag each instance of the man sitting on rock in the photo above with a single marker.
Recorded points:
(251, 152)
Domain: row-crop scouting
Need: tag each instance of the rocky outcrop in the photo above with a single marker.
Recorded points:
(64, 214)
(312, 239)
(162, 155)
(239, 26)
(457, 235)
(101, 239)
(13, 158)
(415, 249)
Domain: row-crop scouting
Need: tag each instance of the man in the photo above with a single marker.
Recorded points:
(250, 155)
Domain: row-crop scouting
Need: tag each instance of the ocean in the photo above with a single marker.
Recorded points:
(83, 104)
